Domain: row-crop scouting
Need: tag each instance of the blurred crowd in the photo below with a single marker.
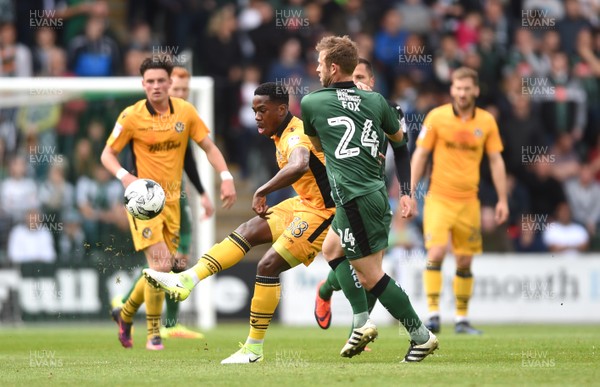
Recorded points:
(538, 61)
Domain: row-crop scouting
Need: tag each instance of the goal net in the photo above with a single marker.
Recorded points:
(108, 96)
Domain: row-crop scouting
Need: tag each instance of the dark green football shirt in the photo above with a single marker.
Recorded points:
(351, 125)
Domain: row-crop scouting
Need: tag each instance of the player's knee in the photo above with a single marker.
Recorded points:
(436, 254)
(271, 265)
(251, 232)
(464, 261)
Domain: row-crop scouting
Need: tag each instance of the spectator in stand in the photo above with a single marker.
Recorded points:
(545, 192)
(71, 242)
(521, 132)
(583, 195)
(224, 68)
(38, 123)
(467, 31)
(417, 17)
(490, 70)
(565, 237)
(447, 59)
(15, 58)
(140, 46)
(45, 44)
(19, 192)
(525, 57)
(390, 38)
(94, 53)
(586, 68)
(353, 19)
(562, 100)
(529, 236)
(289, 69)
(570, 25)
(56, 193)
(99, 199)
(565, 163)
(83, 160)
(31, 240)
(496, 19)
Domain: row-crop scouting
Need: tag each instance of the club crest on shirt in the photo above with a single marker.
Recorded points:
(147, 233)
(179, 126)
(478, 132)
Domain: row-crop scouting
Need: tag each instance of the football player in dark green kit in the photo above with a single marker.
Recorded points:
(350, 126)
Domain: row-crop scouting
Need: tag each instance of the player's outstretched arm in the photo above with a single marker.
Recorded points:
(296, 167)
(215, 158)
(111, 162)
(499, 178)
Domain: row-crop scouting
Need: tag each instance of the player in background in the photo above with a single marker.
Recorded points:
(296, 226)
(180, 88)
(159, 128)
(363, 74)
(349, 125)
(457, 133)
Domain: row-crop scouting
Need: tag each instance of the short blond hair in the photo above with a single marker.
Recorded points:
(340, 50)
(465, 72)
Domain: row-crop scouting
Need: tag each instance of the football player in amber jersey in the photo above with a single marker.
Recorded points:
(296, 227)
(159, 128)
(458, 134)
(180, 88)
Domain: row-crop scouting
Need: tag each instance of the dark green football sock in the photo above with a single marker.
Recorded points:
(330, 285)
(371, 301)
(396, 301)
(171, 313)
(352, 289)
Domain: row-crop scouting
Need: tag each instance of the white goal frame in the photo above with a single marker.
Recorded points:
(22, 91)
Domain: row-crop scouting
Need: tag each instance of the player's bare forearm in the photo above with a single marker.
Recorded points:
(296, 167)
(215, 158)
(109, 160)
(498, 175)
(214, 155)
(417, 167)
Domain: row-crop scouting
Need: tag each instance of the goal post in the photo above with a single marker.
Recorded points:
(16, 92)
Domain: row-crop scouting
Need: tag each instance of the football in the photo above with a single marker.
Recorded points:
(144, 199)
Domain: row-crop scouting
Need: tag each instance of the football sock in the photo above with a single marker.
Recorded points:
(329, 286)
(371, 301)
(432, 278)
(221, 256)
(463, 289)
(171, 312)
(135, 300)
(396, 301)
(125, 297)
(154, 301)
(267, 291)
(352, 289)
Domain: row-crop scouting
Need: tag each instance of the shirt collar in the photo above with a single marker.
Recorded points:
(342, 85)
(154, 112)
(456, 112)
(284, 124)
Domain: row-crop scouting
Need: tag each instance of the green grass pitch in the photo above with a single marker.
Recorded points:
(89, 355)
